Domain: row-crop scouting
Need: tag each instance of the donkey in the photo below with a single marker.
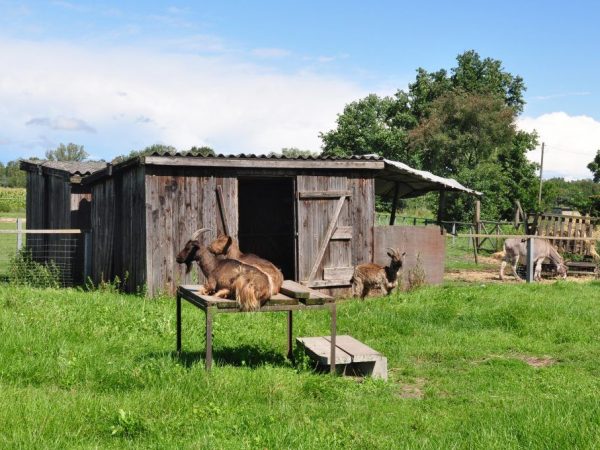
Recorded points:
(516, 248)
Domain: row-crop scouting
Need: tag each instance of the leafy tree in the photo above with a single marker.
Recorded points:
(12, 176)
(594, 167)
(162, 149)
(372, 125)
(459, 123)
(69, 152)
(293, 152)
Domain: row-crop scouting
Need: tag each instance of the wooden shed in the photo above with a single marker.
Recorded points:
(56, 199)
(313, 217)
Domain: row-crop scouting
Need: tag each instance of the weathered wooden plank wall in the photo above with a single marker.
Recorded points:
(179, 201)
(426, 243)
(103, 226)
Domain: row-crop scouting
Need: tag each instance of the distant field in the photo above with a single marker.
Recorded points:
(470, 366)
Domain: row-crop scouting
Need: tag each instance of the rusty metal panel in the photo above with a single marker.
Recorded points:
(427, 243)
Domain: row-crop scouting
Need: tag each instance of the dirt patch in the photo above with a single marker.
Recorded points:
(532, 361)
(488, 276)
(537, 361)
(412, 390)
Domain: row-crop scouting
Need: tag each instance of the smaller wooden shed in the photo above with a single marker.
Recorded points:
(313, 217)
(56, 199)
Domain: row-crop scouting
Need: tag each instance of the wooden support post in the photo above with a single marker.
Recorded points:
(394, 203)
(221, 206)
(87, 256)
(178, 317)
(530, 268)
(333, 336)
(209, 320)
(19, 234)
(290, 353)
(441, 207)
(477, 222)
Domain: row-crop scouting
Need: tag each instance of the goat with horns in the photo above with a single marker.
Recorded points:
(226, 278)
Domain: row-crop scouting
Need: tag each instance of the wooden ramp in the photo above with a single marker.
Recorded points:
(355, 357)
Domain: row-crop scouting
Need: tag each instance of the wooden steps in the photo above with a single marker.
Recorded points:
(356, 357)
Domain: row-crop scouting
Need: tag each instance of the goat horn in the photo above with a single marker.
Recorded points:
(199, 232)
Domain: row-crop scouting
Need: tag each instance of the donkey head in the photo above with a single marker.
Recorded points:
(561, 270)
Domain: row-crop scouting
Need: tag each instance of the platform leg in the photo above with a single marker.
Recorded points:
(333, 335)
(290, 353)
(209, 320)
(178, 317)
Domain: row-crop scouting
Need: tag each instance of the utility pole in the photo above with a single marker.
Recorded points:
(541, 171)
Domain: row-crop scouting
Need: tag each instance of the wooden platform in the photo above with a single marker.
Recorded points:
(294, 297)
(355, 357)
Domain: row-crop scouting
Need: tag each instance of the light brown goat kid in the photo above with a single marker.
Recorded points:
(373, 276)
(227, 246)
(227, 278)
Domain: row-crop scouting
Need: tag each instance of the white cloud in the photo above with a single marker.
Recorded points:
(571, 143)
(61, 123)
(270, 52)
(134, 97)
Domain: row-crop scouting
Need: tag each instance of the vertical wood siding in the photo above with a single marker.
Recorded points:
(179, 202)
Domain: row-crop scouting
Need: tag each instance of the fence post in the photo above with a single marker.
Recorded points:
(530, 268)
(453, 233)
(87, 255)
(19, 234)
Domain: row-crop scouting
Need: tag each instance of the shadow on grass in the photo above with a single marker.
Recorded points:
(240, 356)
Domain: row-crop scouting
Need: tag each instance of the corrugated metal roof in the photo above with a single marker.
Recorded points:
(319, 157)
(81, 168)
(414, 182)
(411, 182)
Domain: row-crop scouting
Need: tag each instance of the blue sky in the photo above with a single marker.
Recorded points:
(259, 76)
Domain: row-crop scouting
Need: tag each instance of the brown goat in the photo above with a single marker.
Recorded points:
(373, 276)
(227, 246)
(227, 277)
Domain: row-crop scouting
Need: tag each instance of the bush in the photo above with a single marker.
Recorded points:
(23, 270)
(416, 275)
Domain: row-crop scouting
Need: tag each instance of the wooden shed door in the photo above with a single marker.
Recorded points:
(324, 231)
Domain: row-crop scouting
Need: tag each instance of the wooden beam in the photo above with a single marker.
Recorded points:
(262, 163)
(326, 238)
(394, 203)
(221, 205)
(323, 194)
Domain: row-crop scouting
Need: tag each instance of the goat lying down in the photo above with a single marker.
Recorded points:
(515, 249)
(227, 278)
(373, 276)
(227, 246)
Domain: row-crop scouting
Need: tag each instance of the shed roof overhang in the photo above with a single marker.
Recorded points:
(73, 171)
(412, 182)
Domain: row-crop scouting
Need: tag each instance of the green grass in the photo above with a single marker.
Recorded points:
(96, 370)
(459, 256)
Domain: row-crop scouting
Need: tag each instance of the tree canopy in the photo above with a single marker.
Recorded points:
(594, 167)
(69, 152)
(459, 124)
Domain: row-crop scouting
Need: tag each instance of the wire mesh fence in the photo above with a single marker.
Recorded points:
(44, 258)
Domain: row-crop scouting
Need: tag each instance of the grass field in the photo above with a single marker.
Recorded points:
(471, 366)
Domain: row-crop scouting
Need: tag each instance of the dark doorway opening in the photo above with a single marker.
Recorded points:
(266, 221)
